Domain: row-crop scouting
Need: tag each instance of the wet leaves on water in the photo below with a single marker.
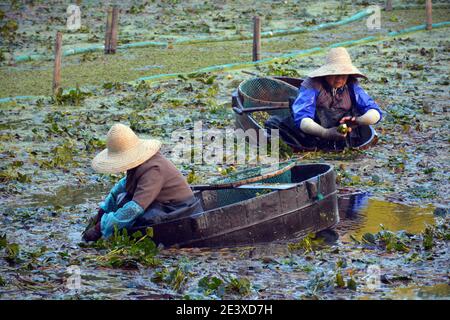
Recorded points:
(210, 284)
(73, 98)
(351, 284)
(125, 250)
(340, 280)
(239, 286)
(11, 251)
(308, 244)
(192, 178)
(283, 69)
(10, 172)
(369, 238)
(427, 238)
(176, 278)
(62, 156)
(113, 85)
(390, 241)
(422, 192)
(393, 18)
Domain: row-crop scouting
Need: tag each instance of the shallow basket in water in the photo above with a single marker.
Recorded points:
(247, 117)
(265, 92)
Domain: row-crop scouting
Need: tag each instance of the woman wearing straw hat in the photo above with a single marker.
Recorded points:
(152, 190)
(330, 96)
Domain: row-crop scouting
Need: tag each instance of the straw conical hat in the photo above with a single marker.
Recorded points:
(124, 151)
(338, 62)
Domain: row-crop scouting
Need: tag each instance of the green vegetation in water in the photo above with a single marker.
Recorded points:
(34, 129)
(340, 282)
(307, 244)
(8, 32)
(176, 278)
(192, 178)
(11, 251)
(348, 154)
(74, 97)
(127, 251)
(63, 156)
(282, 69)
(221, 286)
(388, 240)
(10, 173)
(239, 286)
(401, 241)
(124, 66)
(432, 234)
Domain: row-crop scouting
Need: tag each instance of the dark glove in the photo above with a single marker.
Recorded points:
(99, 216)
(93, 233)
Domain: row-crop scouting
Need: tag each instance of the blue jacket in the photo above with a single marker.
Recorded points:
(305, 104)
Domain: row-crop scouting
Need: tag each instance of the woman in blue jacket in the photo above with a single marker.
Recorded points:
(330, 96)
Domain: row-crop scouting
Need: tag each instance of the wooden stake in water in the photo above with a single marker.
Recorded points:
(388, 5)
(58, 58)
(428, 10)
(108, 30)
(256, 38)
(114, 29)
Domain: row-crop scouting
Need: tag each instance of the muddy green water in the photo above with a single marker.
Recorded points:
(439, 291)
(274, 272)
(368, 214)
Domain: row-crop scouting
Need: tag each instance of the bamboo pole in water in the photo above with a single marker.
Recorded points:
(256, 38)
(428, 9)
(114, 29)
(108, 30)
(57, 68)
(388, 5)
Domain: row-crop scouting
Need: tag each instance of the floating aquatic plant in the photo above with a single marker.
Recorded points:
(129, 250)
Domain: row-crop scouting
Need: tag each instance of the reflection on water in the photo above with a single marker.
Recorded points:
(360, 214)
(67, 196)
(438, 291)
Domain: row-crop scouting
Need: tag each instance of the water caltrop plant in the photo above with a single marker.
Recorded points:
(74, 97)
(214, 285)
(129, 250)
(11, 251)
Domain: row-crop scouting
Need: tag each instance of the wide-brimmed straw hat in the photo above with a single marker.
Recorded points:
(124, 151)
(338, 62)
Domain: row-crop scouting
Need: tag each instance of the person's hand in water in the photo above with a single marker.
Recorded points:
(351, 122)
(93, 232)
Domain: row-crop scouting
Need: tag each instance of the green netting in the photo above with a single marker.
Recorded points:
(230, 196)
(262, 92)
